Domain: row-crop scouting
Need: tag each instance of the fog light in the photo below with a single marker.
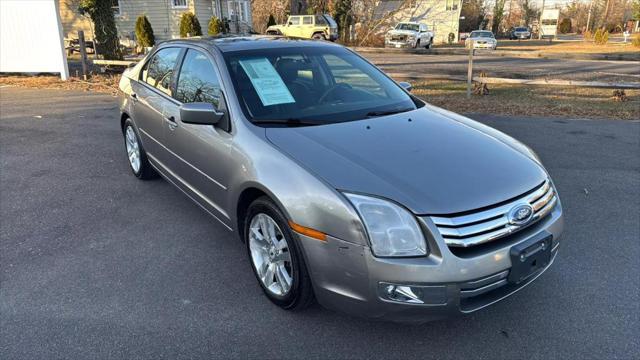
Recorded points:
(401, 293)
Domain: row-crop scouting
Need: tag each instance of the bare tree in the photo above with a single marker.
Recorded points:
(498, 15)
(261, 9)
(529, 11)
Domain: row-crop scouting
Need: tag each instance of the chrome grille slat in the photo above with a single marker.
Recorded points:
(474, 229)
(488, 225)
(491, 213)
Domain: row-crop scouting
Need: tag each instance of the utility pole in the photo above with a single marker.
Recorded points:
(540, 21)
(589, 16)
(606, 14)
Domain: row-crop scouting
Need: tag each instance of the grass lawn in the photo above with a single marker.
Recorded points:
(584, 47)
(566, 46)
(520, 100)
(103, 83)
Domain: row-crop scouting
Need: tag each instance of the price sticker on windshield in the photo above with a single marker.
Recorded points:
(267, 82)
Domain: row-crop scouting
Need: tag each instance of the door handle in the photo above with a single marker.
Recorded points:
(171, 121)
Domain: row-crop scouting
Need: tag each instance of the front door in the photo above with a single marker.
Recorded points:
(200, 154)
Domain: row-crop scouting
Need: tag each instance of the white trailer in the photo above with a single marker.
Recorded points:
(548, 26)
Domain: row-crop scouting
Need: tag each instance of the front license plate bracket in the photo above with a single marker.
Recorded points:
(529, 257)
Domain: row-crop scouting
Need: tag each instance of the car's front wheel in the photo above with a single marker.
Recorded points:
(135, 153)
(275, 256)
(429, 44)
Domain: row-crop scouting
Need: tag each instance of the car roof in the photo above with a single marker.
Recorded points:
(229, 43)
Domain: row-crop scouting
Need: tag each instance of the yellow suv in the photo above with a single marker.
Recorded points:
(321, 27)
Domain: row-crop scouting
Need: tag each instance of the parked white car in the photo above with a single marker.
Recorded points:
(482, 39)
(409, 34)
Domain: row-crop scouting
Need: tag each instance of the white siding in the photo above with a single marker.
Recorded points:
(31, 37)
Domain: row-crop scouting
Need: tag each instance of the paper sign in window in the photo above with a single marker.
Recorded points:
(267, 82)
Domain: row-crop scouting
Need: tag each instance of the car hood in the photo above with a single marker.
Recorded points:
(401, 32)
(436, 163)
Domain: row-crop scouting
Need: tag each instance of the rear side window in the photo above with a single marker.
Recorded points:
(198, 81)
(307, 20)
(320, 21)
(158, 72)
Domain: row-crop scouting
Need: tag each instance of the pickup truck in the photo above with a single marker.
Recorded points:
(320, 27)
(409, 34)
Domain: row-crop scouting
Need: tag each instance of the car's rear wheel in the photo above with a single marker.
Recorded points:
(429, 44)
(276, 259)
(136, 155)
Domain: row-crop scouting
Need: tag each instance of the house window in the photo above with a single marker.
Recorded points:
(452, 4)
(240, 9)
(179, 4)
(115, 5)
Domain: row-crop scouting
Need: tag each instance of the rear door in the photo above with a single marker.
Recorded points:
(294, 26)
(152, 90)
(307, 28)
(200, 154)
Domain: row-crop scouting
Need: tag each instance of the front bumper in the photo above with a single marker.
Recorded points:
(484, 46)
(399, 43)
(346, 277)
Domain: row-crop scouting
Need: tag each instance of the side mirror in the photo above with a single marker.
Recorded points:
(200, 113)
(405, 85)
(289, 23)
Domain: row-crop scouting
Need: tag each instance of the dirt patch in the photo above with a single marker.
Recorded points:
(518, 100)
(102, 83)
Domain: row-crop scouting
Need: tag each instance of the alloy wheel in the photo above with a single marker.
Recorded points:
(270, 255)
(133, 149)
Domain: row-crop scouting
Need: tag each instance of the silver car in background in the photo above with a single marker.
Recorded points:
(343, 187)
(482, 39)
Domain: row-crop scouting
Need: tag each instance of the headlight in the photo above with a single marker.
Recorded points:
(393, 231)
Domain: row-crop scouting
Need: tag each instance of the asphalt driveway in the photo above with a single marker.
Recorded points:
(97, 264)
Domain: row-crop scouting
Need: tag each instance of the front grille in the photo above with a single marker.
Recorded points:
(399, 37)
(487, 225)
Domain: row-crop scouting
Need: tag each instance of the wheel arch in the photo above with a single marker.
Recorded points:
(123, 118)
(248, 195)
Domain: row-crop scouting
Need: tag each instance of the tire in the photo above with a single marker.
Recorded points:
(318, 36)
(143, 170)
(417, 44)
(428, 46)
(299, 293)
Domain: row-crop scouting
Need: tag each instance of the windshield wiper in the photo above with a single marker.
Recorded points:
(287, 122)
(387, 112)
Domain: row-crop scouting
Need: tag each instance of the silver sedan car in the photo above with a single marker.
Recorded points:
(343, 187)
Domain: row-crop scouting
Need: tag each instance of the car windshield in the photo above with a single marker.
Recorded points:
(412, 27)
(312, 85)
(521, 29)
(481, 34)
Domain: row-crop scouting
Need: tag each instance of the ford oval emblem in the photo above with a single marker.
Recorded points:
(520, 214)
